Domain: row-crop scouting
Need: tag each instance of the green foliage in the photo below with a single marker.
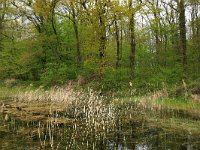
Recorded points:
(41, 46)
(22, 60)
(116, 79)
(58, 74)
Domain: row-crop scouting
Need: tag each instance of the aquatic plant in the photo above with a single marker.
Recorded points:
(80, 105)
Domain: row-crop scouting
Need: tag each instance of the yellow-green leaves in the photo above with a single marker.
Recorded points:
(42, 8)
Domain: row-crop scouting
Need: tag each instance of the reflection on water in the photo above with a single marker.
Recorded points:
(127, 131)
(143, 147)
(20, 135)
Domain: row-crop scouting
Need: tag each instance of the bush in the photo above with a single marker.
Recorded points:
(57, 74)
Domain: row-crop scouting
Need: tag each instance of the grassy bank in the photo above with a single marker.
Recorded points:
(7, 93)
(155, 100)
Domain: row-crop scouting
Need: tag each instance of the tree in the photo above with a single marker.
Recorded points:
(195, 27)
(42, 15)
(132, 36)
(72, 8)
(182, 31)
(118, 12)
(101, 18)
(3, 7)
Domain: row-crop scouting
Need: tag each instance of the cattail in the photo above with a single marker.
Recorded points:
(6, 117)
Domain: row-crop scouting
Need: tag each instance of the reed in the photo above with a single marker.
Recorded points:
(79, 105)
(85, 116)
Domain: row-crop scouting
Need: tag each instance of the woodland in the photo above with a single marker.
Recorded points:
(106, 44)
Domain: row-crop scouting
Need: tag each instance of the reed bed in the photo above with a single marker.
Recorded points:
(62, 107)
(80, 105)
(73, 114)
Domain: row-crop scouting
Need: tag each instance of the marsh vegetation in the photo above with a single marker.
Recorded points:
(62, 118)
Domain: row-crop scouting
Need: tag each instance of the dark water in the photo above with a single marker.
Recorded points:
(122, 135)
(128, 129)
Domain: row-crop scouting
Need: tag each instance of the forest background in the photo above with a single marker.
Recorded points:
(106, 44)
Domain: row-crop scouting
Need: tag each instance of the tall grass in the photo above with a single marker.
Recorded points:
(7, 93)
(85, 105)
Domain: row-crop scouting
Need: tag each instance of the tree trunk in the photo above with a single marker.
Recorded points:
(102, 42)
(117, 42)
(121, 43)
(79, 59)
(2, 15)
(198, 38)
(1, 36)
(132, 41)
(157, 32)
(75, 26)
(196, 30)
(182, 30)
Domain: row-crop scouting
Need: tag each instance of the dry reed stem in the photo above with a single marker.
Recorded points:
(87, 106)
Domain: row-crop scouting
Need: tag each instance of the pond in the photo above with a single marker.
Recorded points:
(31, 126)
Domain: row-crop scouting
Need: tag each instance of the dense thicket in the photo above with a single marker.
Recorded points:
(110, 42)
